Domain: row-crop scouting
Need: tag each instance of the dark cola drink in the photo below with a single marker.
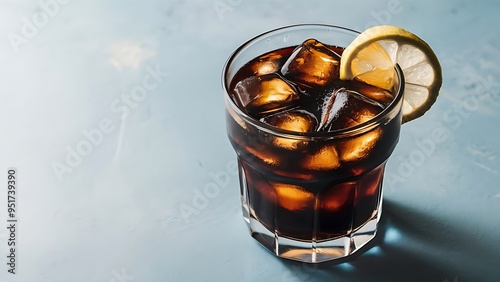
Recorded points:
(311, 149)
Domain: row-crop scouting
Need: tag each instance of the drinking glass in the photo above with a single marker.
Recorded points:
(313, 196)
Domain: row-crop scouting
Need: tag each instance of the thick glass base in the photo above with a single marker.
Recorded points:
(312, 251)
(311, 221)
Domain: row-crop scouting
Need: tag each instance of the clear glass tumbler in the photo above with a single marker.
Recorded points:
(318, 197)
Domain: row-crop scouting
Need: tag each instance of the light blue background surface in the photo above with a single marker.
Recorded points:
(117, 213)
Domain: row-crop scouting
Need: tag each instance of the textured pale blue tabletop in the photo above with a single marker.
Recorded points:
(113, 114)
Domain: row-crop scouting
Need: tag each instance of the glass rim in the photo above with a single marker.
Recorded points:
(338, 133)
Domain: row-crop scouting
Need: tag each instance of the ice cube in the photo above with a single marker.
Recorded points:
(344, 108)
(375, 93)
(267, 157)
(330, 109)
(292, 197)
(326, 158)
(337, 196)
(312, 64)
(359, 147)
(296, 120)
(266, 64)
(265, 94)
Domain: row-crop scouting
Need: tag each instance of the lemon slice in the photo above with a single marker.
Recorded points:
(371, 58)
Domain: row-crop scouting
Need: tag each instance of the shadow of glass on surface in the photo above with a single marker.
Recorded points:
(410, 246)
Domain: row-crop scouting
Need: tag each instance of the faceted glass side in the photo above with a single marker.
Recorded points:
(336, 222)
